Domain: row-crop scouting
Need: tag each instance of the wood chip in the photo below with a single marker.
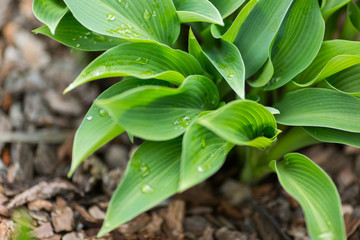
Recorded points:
(351, 224)
(225, 234)
(135, 225)
(74, 236)
(229, 210)
(3, 198)
(6, 227)
(87, 217)
(208, 234)
(174, 217)
(4, 211)
(97, 213)
(44, 231)
(40, 204)
(42, 190)
(62, 216)
(153, 229)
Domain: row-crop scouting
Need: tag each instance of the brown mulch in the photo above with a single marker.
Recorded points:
(37, 125)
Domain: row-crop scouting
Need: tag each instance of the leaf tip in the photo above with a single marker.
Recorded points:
(69, 88)
(103, 230)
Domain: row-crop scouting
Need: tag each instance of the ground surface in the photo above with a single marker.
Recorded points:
(37, 125)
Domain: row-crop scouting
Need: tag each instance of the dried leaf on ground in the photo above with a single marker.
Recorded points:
(42, 190)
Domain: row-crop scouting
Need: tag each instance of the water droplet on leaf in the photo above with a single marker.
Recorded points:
(147, 14)
(110, 17)
(144, 169)
(102, 112)
(146, 189)
(89, 118)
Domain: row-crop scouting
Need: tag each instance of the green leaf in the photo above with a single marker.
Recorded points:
(98, 127)
(258, 31)
(227, 7)
(353, 12)
(72, 34)
(203, 154)
(162, 113)
(346, 81)
(334, 56)
(49, 12)
(152, 176)
(242, 122)
(141, 60)
(334, 136)
(328, 7)
(303, 28)
(197, 11)
(227, 60)
(196, 51)
(320, 107)
(231, 33)
(136, 19)
(315, 192)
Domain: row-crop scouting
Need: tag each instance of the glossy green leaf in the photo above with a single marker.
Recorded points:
(231, 33)
(242, 122)
(49, 12)
(316, 193)
(197, 11)
(346, 81)
(152, 176)
(227, 7)
(258, 31)
(334, 56)
(227, 60)
(334, 136)
(303, 28)
(72, 34)
(353, 12)
(141, 60)
(136, 19)
(196, 51)
(203, 154)
(98, 127)
(320, 107)
(328, 7)
(162, 113)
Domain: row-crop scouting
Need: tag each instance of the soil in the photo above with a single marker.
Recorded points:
(37, 126)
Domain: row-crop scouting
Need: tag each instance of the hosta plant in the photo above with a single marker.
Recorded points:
(200, 78)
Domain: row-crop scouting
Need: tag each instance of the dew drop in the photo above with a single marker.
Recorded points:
(154, 13)
(185, 121)
(89, 118)
(78, 45)
(144, 169)
(120, 1)
(126, 5)
(102, 112)
(200, 169)
(142, 60)
(147, 14)
(146, 189)
(110, 17)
